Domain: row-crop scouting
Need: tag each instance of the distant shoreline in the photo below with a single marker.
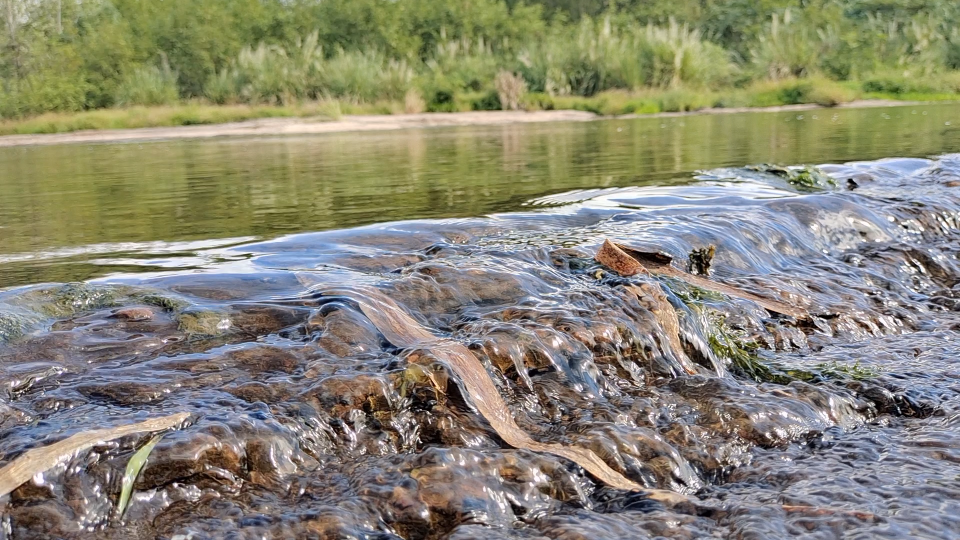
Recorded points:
(376, 123)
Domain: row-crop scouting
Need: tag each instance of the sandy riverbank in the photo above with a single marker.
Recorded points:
(307, 126)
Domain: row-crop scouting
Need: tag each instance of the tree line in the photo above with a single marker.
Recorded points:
(72, 55)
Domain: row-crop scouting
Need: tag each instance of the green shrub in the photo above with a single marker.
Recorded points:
(829, 93)
(465, 66)
(484, 101)
(441, 100)
(681, 56)
(44, 92)
(683, 101)
(896, 84)
(583, 60)
(538, 101)
(641, 106)
(222, 87)
(271, 74)
(264, 75)
(595, 104)
(364, 76)
(817, 90)
(600, 56)
(148, 85)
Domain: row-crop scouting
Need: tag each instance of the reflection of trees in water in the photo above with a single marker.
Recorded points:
(84, 194)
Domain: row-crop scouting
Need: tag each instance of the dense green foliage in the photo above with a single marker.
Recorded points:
(72, 55)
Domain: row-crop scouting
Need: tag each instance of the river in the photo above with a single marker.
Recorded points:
(354, 323)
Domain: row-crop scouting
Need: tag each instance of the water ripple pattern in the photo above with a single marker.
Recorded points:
(310, 416)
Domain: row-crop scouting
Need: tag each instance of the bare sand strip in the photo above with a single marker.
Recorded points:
(299, 126)
(309, 126)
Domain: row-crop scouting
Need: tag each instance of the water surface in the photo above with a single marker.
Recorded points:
(79, 211)
(309, 417)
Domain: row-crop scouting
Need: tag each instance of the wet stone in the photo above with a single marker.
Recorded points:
(342, 394)
(222, 457)
(259, 392)
(265, 320)
(343, 331)
(379, 263)
(45, 520)
(11, 416)
(256, 360)
(136, 314)
(480, 532)
(125, 392)
(312, 422)
(203, 323)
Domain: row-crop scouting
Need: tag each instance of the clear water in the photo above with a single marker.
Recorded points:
(310, 419)
(70, 213)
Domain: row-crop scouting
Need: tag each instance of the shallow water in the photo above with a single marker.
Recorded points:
(311, 419)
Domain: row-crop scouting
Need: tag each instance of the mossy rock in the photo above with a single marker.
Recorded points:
(70, 299)
(746, 362)
(30, 307)
(855, 371)
(202, 323)
(14, 325)
(805, 178)
(692, 295)
(164, 302)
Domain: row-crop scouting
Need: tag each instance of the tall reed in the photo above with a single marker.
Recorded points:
(148, 85)
(600, 56)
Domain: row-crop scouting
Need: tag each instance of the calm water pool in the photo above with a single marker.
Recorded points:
(75, 212)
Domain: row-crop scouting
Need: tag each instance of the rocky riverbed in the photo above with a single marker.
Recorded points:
(309, 418)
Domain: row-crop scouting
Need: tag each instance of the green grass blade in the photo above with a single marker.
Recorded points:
(41, 459)
(134, 466)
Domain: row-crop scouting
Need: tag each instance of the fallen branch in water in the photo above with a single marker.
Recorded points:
(402, 330)
(38, 460)
(652, 297)
(630, 262)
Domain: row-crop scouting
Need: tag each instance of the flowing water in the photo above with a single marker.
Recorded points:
(455, 374)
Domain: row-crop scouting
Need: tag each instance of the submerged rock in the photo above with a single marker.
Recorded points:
(14, 325)
(804, 178)
(488, 378)
(201, 323)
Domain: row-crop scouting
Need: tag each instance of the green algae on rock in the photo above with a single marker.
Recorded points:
(14, 324)
(200, 323)
(73, 298)
(804, 178)
(165, 302)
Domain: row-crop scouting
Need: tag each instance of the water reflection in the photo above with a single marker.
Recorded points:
(73, 196)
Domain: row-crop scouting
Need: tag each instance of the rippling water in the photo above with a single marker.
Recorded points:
(310, 418)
